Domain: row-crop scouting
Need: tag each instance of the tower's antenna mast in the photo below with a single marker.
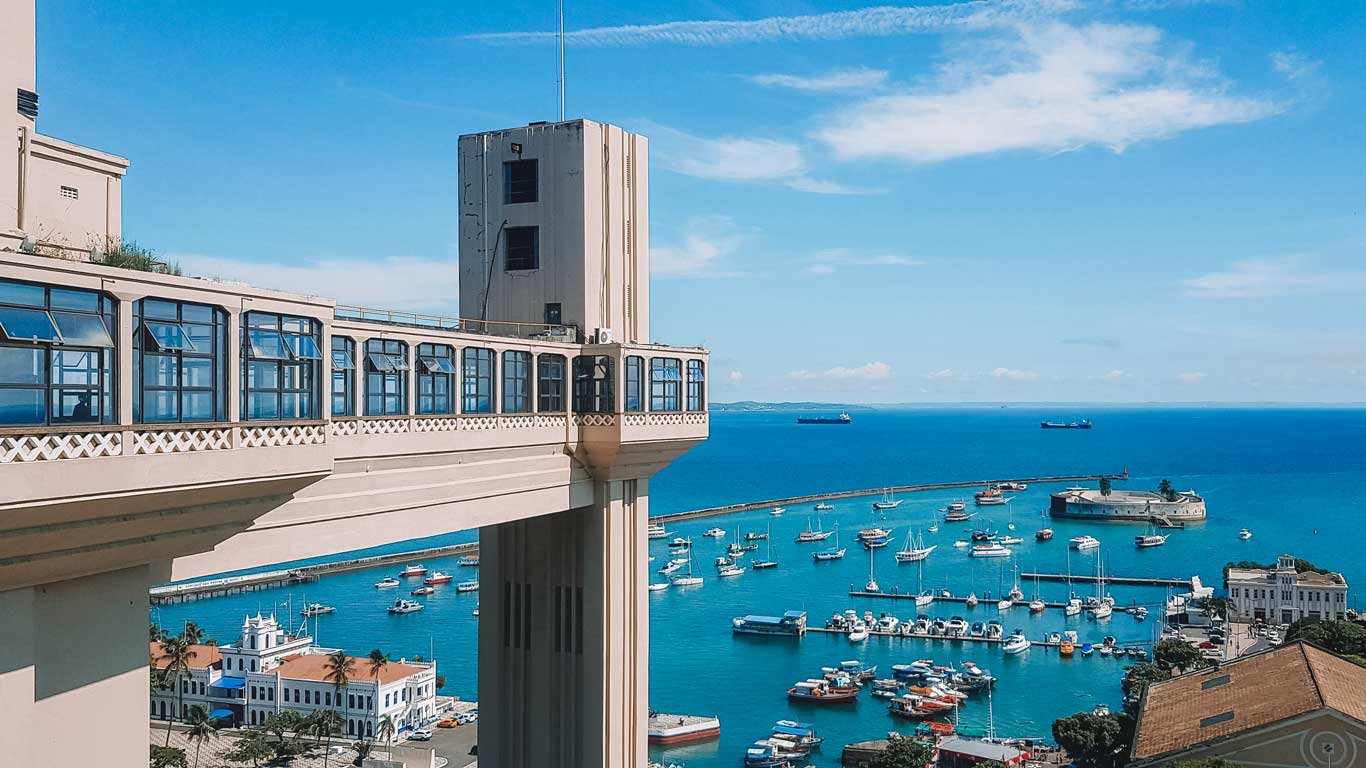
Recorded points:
(560, 40)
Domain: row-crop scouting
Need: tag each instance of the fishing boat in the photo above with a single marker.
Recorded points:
(802, 733)
(438, 577)
(420, 591)
(468, 561)
(889, 501)
(821, 692)
(776, 511)
(405, 606)
(317, 609)
(992, 491)
(768, 561)
(990, 550)
(1244, 534)
(782, 749)
(412, 570)
(1016, 643)
(913, 550)
(873, 533)
(658, 586)
(1082, 543)
(759, 757)
(655, 531)
(467, 586)
(714, 533)
(387, 582)
(833, 553)
(824, 507)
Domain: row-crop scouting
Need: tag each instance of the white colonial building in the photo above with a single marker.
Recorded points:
(268, 670)
(1280, 594)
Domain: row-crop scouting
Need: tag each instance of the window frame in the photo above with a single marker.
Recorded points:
(517, 387)
(392, 377)
(343, 374)
(696, 385)
(184, 357)
(534, 257)
(296, 359)
(515, 188)
(550, 390)
(666, 384)
(594, 384)
(436, 379)
(633, 398)
(478, 394)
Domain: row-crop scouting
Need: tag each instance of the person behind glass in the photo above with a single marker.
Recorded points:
(82, 410)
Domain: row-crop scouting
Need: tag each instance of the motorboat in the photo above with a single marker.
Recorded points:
(424, 590)
(776, 511)
(960, 544)
(405, 606)
(1010, 485)
(978, 629)
(956, 506)
(412, 570)
(468, 561)
(783, 749)
(971, 602)
(858, 632)
(1065, 648)
(1009, 540)
(317, 609)
(990, 550)
(723, 562)
(994, 629)
(1244, 534)
(888, 623)
(991, 492)
(673, 565)
(956, 627)
(1083, 542)
(824, 507)
(1086, 649)
(1106, 650)
(1016, 643)
(659, 587)
(1073, 607)
(1140, 613)
(680, 542)
(733, 570)
(438, 577)
(1043, 534)
(1150, 540)
(755, 536)
(467, 586)
(913, 550)
(387, 582)
(714, 533)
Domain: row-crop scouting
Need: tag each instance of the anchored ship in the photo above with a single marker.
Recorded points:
(843, 418)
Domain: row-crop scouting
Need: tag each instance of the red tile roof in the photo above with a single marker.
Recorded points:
(313, 666)
(203, 656)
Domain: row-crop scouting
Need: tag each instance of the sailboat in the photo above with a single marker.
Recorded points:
(834, 553)
(871, 586)
(819, 534)
(688, 580)
(768, 561)
(1101, 608)
(1073, 606)
(923, 596)
(913, 550)
(1150, 539)
(1037, 604)
(889, 500)
(1015, 592)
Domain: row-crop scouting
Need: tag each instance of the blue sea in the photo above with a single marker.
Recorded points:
(1295, 477)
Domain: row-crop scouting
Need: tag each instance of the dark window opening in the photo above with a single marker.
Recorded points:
(697, 386)
(178, 366)
(343, 375)
(519, 182)
(553, 313)
(435, 379)
(386, 377)
(523, 249)
(594, 384)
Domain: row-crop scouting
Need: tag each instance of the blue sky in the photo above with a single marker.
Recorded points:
(1020, 201)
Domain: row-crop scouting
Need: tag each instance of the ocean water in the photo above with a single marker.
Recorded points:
(1295, 477)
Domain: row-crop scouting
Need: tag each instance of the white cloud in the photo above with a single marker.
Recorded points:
(708, 241)
(1045, 87)
(863, 22)
(835, 80)
(1260, 278)
(1294, 65)
(737, 158)
(1014, 375)
(831, 259)
(944, 373)
(1115, 375)
(385, 283)
(735, 376)
(874, 371)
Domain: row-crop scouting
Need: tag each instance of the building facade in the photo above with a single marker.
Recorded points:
(269, 670)
(1281, 594)
(1126, 505)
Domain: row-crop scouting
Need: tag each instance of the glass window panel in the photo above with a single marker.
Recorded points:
(398, 362)
(263, 320)
(168, 337)
(65, 298)
(300, 325)
(196, 313)
(21, 365)
(380, 362)
(76, 405)
(75, 367)
(201, 336)
(160, 405)
(196, 406)
(82, 330)
(263, 405)
(27, 325)
(22, 406)
(374, 404)
(197, 372)
(158, 371)
(341, 405)
(22, 293)
(164, 310)
(341, 361)
(267, 345)
(304, 347)
(263, 375)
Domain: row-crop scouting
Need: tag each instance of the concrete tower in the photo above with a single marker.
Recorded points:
(554, 228)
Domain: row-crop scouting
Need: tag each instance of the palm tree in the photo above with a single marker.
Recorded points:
(386, 730)
(155, 633)
(1105, 486)
(201, 730)
(326, 722)
(340, 669)
(1165, 488)
(177, 654)
(192, 634)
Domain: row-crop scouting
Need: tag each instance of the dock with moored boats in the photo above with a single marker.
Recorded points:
(1126, 581)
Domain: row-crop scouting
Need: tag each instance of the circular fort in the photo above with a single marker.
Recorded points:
(1127, 505)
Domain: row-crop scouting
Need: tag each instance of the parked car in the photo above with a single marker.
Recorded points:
(449, 722)
(422, 734)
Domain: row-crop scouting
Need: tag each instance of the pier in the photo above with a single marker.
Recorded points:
(1128, 581)
(927, 636)
(948, 598)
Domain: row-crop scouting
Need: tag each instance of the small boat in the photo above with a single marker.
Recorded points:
(475, 612)
(1081, 543)
(984, 534)
(991, 492)
(858, 632)
(878, 543)
(816, 534)
(1073, 607)
(994, 629)
(823, 507)
(467, 586)
(760, 757)
(655, 531)
(1065, 648)
(405, 606)
(934, 528)
(992, 501)
(873, 533)
(833, 553)
(1150, 540)
(423, 591)
(990, 550)
(1011, 540)
(659, 587)
(673, 566)
(888, 623)
(1011, 485)
(468, 561)
(1043, 534)
(776, 511)
(438, 577)
(685, 581)
(715, 533)
(1036, 605)
(1100, 611)
(317, 609)
(960, 544)
(957, 516)
(889, 501)
(768, 561)
(956, 506)
(387, 582)
(762, 564)
(753, 536)
(680, 542)
(732, 570)
(1086, 649)
(1016, 643)
(971, 602)
(1106, 650)
(803, 733)
(1004, 604)
(413, 570)
(913, 550)
(821, 692)
(1140, 613)
(723, 562)
(1244, 534)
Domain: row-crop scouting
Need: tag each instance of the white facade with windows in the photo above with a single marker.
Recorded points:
(1281, 595)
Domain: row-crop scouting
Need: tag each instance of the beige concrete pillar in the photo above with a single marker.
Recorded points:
(123, 361)
(564, 635)
(232, 359)
(73, 670)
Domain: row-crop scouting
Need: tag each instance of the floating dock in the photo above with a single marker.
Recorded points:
(984, 601)
(1127, 581)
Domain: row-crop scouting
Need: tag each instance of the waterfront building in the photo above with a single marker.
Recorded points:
(269, 670)
(1294, 705)
(1126, 505)
(157, 427)
(1281, 594)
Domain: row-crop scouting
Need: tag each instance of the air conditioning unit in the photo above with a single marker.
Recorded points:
(604, 336)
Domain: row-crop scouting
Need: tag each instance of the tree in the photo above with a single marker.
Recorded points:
(1345, 638)
(1172, 654)
(177, 654)
(155, 633)
(1095, 741)
(327, 723)
(1165, 488)
(282, 722)
(340, 669)
(904, 753)
(1105, 486)
(1136, 681)
(1217, 606)
(387, 728)
(192, 634)
(251, 748)
(377, 660)
(440, 681)
(168, 757)
(201, 730)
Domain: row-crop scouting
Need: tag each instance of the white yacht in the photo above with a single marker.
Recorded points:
(659, 587)
(405, 606)
(656, 531)
(1084, 542)
(1245, 534)
(776, 511)
(858, 632)
(1016, 643)
(732, 570)
(990, 550)
(715, 533)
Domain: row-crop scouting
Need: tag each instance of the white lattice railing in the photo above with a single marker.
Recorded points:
(276, 436)
(516, 421)
(15, 449)
(595, 419)
(552, 420)
(436, 424)
(633, 420)
(478, 423)
(160, 441)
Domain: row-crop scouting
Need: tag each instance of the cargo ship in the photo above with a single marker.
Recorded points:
(1083, 424)
(843, 418)
(673, 729)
